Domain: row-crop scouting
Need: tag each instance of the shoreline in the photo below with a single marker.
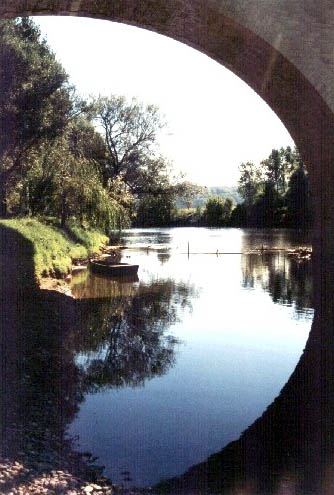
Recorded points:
(63, 285)
(18, 478)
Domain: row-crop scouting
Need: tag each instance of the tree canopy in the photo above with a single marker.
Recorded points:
(276, 192)
(35, 98)
(91, 161)
(65, 182)
(218, 211)
(130, 131)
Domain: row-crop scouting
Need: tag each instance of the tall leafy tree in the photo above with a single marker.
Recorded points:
(299, 207)
(217, 212)
(278, 168)
(130, 130)
(35, 98)
(250, 182)
(267, 210)
(276, 193)
(273, 169)
(154, 210)
(65, 181)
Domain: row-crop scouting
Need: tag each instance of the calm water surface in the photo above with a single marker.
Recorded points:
(179, 362)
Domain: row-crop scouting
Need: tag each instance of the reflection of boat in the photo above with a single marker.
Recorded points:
(113, 268)
(121, 280)
(94, 285)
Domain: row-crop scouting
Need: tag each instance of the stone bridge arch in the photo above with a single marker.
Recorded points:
(284, 52)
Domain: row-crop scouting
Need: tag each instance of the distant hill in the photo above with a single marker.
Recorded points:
(223, 191)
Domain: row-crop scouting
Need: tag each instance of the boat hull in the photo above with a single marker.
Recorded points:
(113, 269)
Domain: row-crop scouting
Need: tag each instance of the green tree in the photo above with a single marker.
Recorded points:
(298, 198)
(35, 99)
(273, 169)
(65, 183)
(250, 182)
(130, 130)
(278, 168)
(217, 211)
(267, 210)
(239, 216)
(188, 192)
(275, 193)
(227, 210)
(155, 210)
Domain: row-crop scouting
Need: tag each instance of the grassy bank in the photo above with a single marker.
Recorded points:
(54, 249)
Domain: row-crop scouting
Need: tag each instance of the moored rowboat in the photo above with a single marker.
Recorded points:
(113, 268)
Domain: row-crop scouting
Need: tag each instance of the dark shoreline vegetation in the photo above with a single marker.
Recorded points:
(272, 194)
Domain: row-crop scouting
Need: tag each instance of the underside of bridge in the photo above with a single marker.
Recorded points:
(284, 52)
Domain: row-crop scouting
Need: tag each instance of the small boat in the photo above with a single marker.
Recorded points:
(113, 268)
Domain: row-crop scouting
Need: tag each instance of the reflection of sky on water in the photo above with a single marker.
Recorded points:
(237, 350)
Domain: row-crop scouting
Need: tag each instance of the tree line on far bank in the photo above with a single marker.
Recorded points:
(275, 193)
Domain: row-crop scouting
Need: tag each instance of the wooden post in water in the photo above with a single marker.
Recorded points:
(188, 249)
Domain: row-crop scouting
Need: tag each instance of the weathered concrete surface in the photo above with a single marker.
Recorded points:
(302, 30)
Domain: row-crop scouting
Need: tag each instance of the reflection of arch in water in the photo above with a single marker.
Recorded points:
(219, 30)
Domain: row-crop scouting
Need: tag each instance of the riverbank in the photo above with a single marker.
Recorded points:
(53, 250)
(18, 479)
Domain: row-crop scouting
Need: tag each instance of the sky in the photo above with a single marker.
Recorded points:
(215, 120)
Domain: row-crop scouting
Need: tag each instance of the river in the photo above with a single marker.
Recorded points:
(179, 362)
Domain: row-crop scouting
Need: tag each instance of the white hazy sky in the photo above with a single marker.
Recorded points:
(215, 121)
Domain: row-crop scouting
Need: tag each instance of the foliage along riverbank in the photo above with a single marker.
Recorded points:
(53, 249)
(275, 194)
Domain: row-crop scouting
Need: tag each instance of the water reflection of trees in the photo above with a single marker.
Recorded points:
(287, 280)
(44, 376)
(289, 448)
(147, 237)
(127, 342)
(163, 256)
(274, 238)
